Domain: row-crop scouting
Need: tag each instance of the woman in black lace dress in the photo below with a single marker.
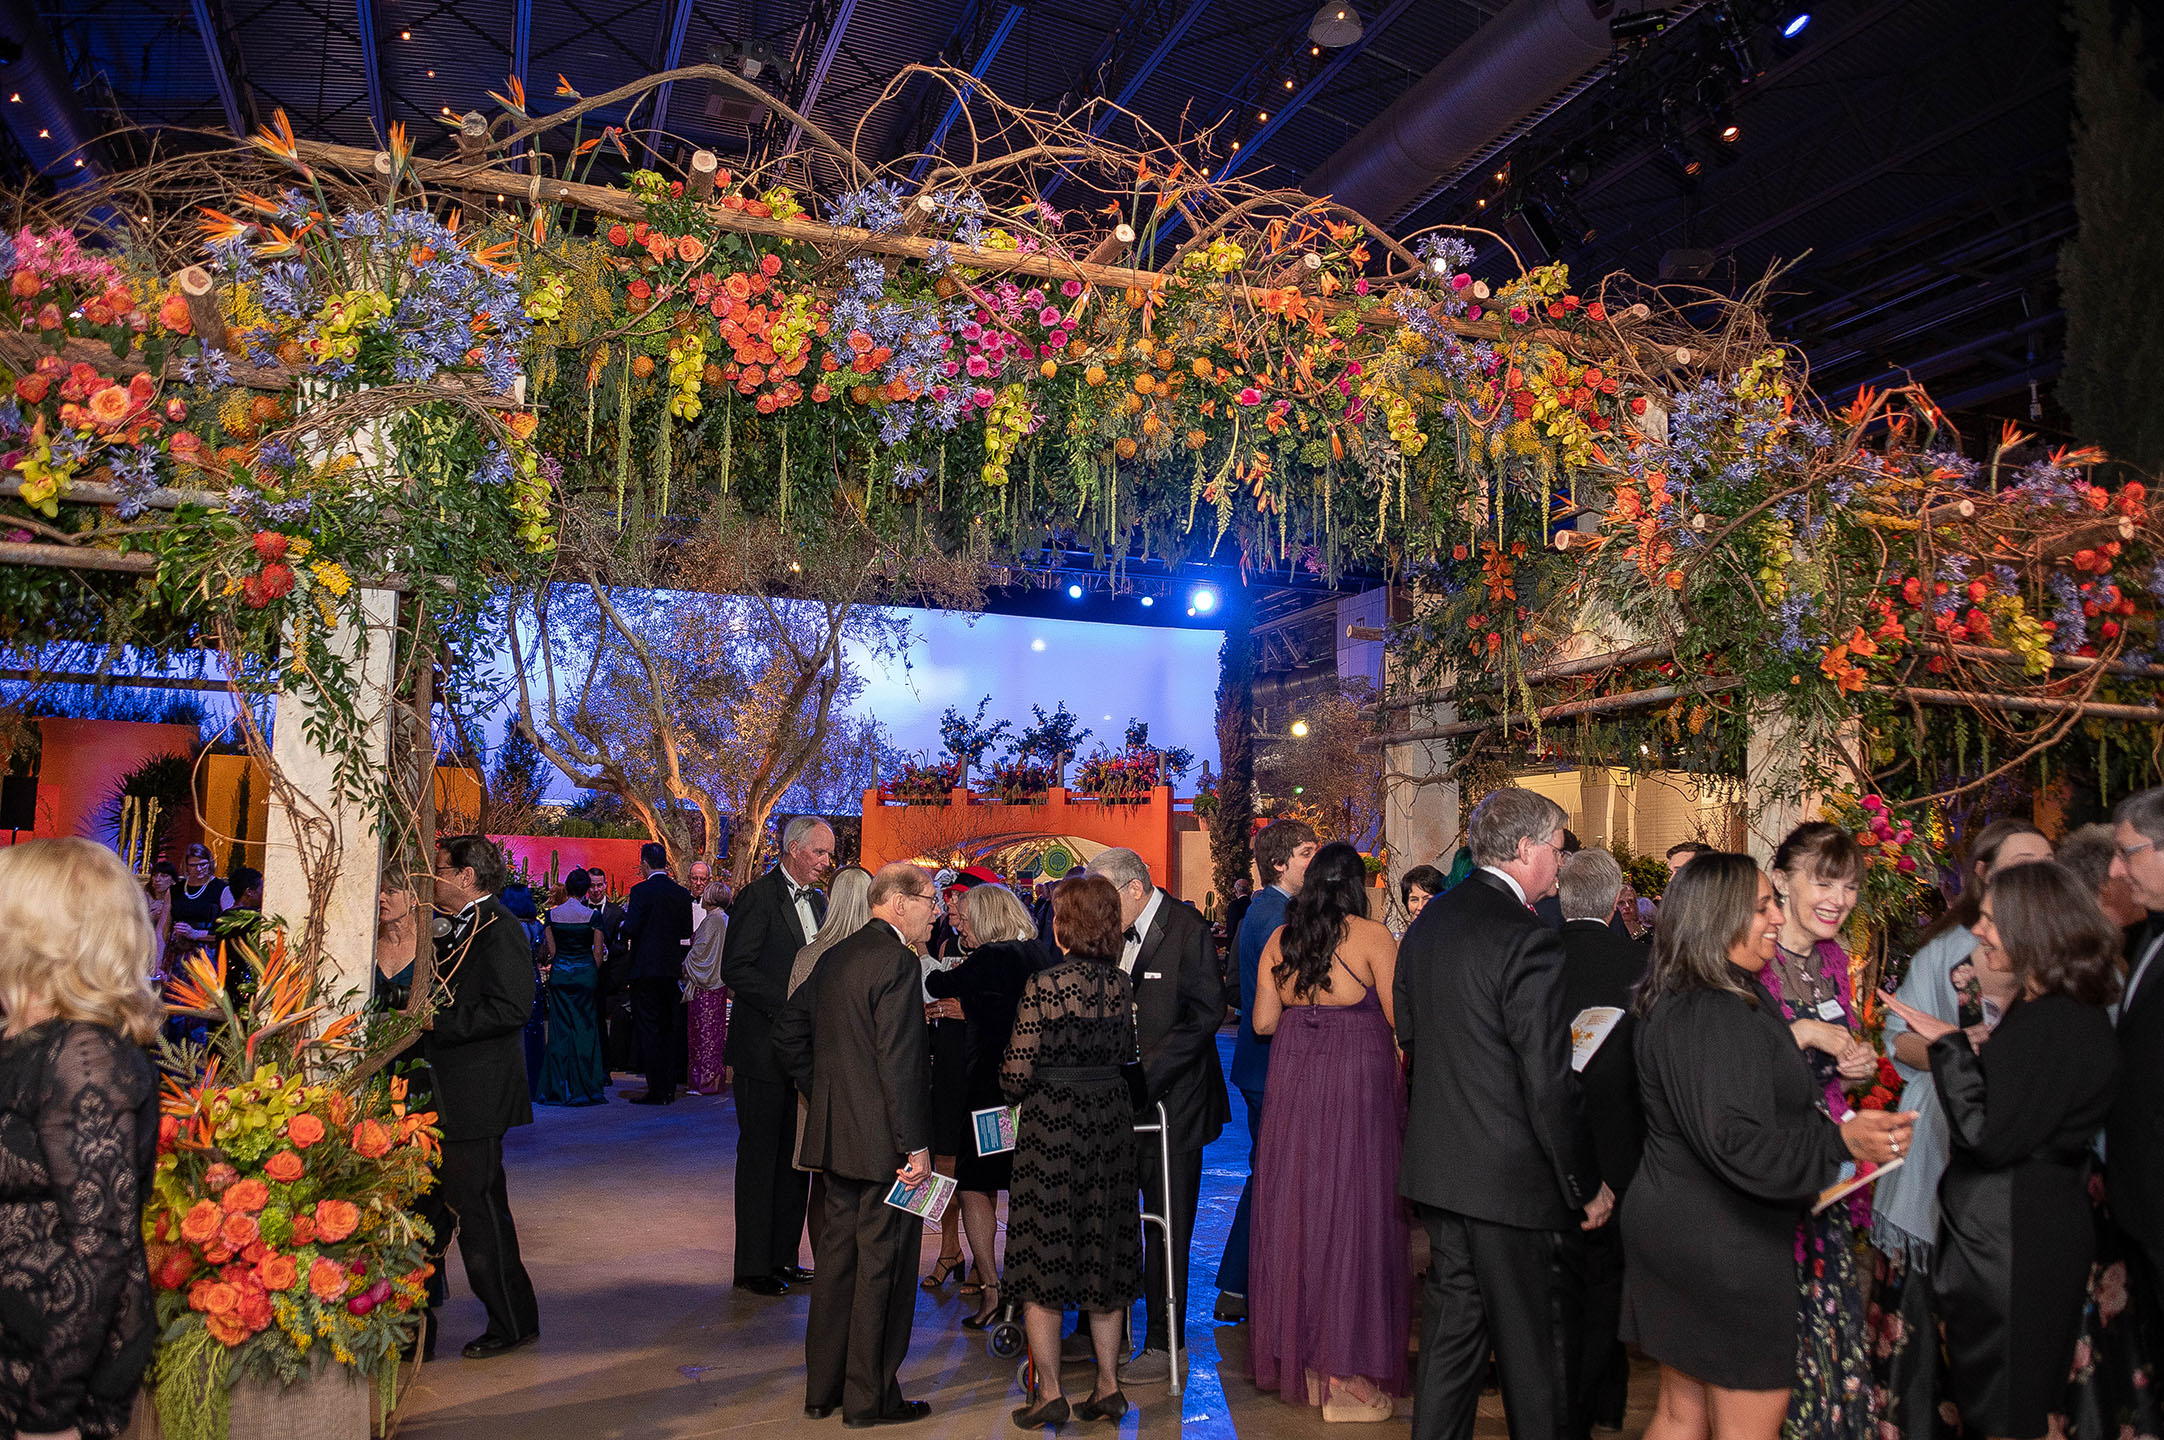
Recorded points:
(78, 1139)
(1074, 1220)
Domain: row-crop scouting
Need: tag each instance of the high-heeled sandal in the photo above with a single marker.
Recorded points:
(972, 1283)
(1052, 1412)
(942, 1271)
(984, 1319)
(1342, 1404)
(1111, 1407)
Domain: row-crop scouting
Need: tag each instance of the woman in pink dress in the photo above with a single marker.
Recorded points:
(708, 996)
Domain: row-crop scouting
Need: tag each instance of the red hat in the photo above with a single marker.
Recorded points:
(971, 878)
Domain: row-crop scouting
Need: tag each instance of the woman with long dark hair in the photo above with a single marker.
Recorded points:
(2015, 1237)
(1737, 1144)
(1328, 1288)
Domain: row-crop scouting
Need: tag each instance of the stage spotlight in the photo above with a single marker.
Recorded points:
(1730, 133)
(1147, 601)
(1299, 729)
(1795, 25)
(1037, 644)
(1204, 599)
(1074, 592)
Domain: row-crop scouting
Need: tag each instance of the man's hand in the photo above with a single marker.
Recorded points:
(917, 1169)
(1597, 1213)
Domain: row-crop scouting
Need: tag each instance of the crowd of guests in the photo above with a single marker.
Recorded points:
(1615, 1124)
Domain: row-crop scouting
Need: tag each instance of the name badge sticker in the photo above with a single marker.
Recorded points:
(1831, 1010)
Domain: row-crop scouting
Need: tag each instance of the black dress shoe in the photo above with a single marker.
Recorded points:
(648, 1097)
(794, 1274)
(762, 1284)
(819, 1412)
(912, 1410)
(487, 1347)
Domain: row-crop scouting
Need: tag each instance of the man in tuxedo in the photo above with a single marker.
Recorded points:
(776, 915)
(1498, 1163)
(1282, 850)
(853, 1040)
(657, 933)
(1548, 907)
(1179, 1003)
(1602, 967)
(2134, 1135)
(479, 1069)
(700, 875)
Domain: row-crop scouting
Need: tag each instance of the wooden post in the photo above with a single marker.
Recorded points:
(704, 166)
(204, 317)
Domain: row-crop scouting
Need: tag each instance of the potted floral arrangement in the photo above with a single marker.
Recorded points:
(1019, 780)
(921, 783)
(286, 1261)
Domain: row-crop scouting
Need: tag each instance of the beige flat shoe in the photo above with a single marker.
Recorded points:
(1344, 1406)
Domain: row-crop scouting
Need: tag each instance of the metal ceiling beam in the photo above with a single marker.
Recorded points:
(672, 56)
(214, 48)
(521, 37)
(364, 12)
(1007, 22)
(1315, 86)
(1132, 85)
(828, 48)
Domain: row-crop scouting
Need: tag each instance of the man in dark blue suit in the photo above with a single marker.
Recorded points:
(657, 932)
(1282, 850)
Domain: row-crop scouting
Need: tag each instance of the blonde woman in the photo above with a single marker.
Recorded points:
(849, 909)
(78, 1138)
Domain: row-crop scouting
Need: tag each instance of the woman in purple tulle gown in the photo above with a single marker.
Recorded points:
(1329, 1289)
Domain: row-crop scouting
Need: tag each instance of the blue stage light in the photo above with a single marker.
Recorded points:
(1074, 592)
(1204, 599)
(1147, 602)
(1795, 25)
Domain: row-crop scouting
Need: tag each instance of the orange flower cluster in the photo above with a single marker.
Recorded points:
(1841, 663)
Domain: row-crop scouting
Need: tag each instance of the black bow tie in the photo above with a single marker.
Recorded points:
(1130, 936)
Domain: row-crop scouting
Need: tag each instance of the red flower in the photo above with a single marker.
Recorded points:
(277, 581)
(31, 388)
(771, 264)
(618, 235)
(270, 544)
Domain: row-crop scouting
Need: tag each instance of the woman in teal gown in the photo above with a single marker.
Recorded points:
(572, 1072)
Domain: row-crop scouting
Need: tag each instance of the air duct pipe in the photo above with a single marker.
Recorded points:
(1511, 66)
(48, 120)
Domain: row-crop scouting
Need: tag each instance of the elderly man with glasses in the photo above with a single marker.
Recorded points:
(2134, 1135)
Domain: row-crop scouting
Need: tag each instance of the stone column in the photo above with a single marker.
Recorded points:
(321, 822)
(1778, 794)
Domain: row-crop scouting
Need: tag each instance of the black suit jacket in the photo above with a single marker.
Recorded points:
(2134, 1135)
(1601, 967)
(853, 1039)
(657, 928)
(1179, 1003)
(764, 936)
(1493, 1128)
(473, 1048)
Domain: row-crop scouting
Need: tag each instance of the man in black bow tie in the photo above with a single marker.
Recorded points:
(776, 915)
(1179, 1003)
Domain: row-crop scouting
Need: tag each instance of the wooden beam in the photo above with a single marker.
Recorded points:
(1562, 670)
(2031, 704)
(91, 492)
(135, 562)
(1597, 705)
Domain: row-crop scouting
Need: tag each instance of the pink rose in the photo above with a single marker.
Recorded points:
(1250, 396)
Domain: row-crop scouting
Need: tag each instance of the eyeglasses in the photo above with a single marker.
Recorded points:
(2128, 852)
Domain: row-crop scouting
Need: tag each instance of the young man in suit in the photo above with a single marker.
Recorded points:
(1282, 850)
(479, 1069)
(1602, 967)
(2134, 1135)
(657, 933)
(1179, 1003)
(1497, 1159)
(776, 915)
(853, 1040)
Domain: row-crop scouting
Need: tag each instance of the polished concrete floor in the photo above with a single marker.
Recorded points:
(624, 1220)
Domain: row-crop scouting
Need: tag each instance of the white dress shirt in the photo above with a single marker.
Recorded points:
(1508, 879)
(800, 896)
(1132, 950)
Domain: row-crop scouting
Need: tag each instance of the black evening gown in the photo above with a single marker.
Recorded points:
(1736, 1147)
(1074, 1213)
(78, 1147)
(989, 985)
(2015, 1235)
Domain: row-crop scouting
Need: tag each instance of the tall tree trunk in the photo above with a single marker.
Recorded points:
(1231, 854)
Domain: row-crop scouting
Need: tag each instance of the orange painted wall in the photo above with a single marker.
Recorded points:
(84, 762)
(546, 855)
(901, 832)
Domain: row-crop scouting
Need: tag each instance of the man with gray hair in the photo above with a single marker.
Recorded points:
(2134, 1133)
(1498, 1162)
(776, 915)
(1179, 1003)
(1602, 966)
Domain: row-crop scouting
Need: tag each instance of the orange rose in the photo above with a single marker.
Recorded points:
(201, 1222)
(690, 249)
(285, 1167)
(248, 1195)
(111, 405)
(304, 1130)
(173, 314)
(278, 1272)
(304, 1230)
(326, 1280)
(255, 1307)
(214, 1297)
(336, 1219)
(371, 1140)
(239, 1231)
(340, 1107)
(227, 1328)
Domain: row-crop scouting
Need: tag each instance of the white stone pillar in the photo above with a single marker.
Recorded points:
(1778, 793)
(1420, 815)
(323, 818)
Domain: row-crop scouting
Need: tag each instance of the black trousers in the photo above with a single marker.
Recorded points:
(1511, 1290)
(863, 1301)
(1604, 1366)
(471, 1180)
(657, 1009)
(1186, 1194)
(770, 1189)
